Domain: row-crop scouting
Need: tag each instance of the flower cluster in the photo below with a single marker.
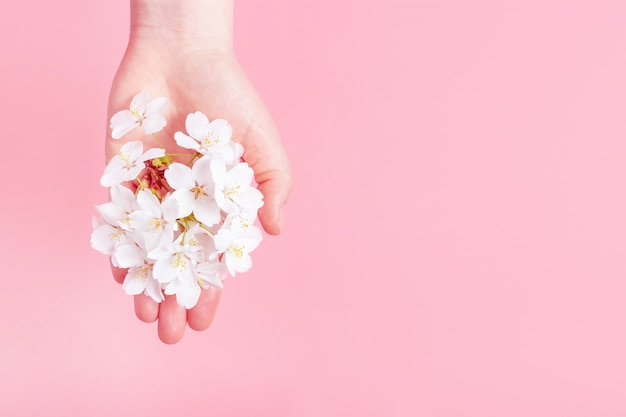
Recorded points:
(177, 227)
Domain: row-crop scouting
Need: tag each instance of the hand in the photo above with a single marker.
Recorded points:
(198, 73)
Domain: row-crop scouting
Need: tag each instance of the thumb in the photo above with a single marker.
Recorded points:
(267, 157)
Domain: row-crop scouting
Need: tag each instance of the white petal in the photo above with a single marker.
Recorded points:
(186, 201)
(244, 263)
(207, 211)
(105, 238)
(123, 198)
(140, 101)
(218, 171)
(134, 149)
(156, 106)
(242, 173)
(153, 124)
(170, 208)
(153, 289)
(197, 125)
(222, 129)
(180, 176)
(162, 271)
(149, 203)
(128, 256)
(152, 153)
(122, 117)
(113, 178)
(222, 239)
(238, 149)
(230, 260)
(211, 274)
(185, 141)
(133, 172)
(135, 281)
(252, 199)
(249, 243)
(110, 213)
(188, 296)
(202, 171)
(121, 124)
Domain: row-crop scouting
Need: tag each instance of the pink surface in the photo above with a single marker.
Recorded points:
(455, 245)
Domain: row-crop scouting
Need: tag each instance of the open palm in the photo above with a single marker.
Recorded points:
(214, 83)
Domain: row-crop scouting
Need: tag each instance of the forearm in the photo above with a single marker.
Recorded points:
(183, 23)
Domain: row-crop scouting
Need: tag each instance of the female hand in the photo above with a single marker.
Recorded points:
(182, 50)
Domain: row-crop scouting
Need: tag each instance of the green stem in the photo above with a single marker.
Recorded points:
(193, 158)
(154, 135)
(207, 229)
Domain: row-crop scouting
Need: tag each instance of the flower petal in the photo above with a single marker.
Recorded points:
(153, 289)
(132, 150)
(152, 153)
(123, 198)
(180, 177)
(113, 177)
(156, 106)
(153, 124)
(139, 102)
(149, 203)
(242, 173)
(188, 295)
(222, 129)
(197, 125)
(136, 280)
(162, 271)
(111, 213)
(185, 141)
(105, 238)
(202, 171)
(207, 211)
(185, 201)
(128, 256)
(222, 239)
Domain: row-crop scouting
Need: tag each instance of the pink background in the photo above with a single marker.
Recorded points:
(455, 246)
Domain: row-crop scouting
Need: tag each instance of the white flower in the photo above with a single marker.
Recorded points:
(117, 227)
(139, 278)
(128, 163)
(178, 260)
(245, 218)
(194, 190)
(105, 238)
(197, 228)
(233, 192)
(186, 289)
(209, 138)
(210, 274)
(236, 244)
(117, 211)
(141, 113)
(155, 220)
(175, 266)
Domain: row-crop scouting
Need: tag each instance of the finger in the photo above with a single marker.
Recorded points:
(118, 273)
(146, 309)
(275, 193)
(172, 320)
(201, 316)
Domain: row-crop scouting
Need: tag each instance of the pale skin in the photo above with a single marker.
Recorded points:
(182, 49)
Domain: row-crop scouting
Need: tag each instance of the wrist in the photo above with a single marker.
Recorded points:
(196, 24)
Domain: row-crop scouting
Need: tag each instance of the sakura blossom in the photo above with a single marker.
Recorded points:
(176, 227)
(209, 138)
(128, 163)
(142, 112)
